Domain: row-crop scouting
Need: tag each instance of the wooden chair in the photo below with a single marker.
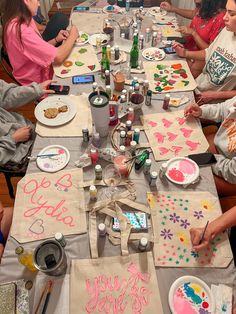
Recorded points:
(8, 175)
(5, 62)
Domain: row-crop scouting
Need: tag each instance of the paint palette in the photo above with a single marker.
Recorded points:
(181, 170)
(153, 54)
(82, 39)
(189, 294)
(53, 163)
(112, 9)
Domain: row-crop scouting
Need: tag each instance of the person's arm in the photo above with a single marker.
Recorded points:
(220, 224)
(183, 53)
(211, 95)
(189, 31)
(40, 27)
(225, 168)
(189, 14)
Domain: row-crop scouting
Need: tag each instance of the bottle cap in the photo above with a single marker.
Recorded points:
(154, 34)
(131, 109)
(108, 86)
(122, 148)
(98, 167)
(144, 241)
(95, 84)
(136, 130)
(92, 188)
(58, 236)
(116, 47)
(19, 250)
(136, 86)
(135, 79)
(124, 92)
(149, 92)
(122, 133)
(148, 162)
(147, 30)
(146, 82)
(153, 174)
(167, 95)
(96, 135)
(108, 46)
(131, 88)
(107, 72)
(135, 24)
(141, 36)
(128, 123)
(122, 35)
(85, 130)
(133, 144)
(122, 97)
(93, 151)
(28, 285)
(102, 227)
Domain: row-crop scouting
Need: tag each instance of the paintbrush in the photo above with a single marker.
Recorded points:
(41, 298)
(49, 290)
(203, 234)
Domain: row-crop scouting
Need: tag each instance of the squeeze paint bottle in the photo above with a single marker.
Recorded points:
(95, 85)
(94, 156)
(124, 92)
(147, 166)
(143, 243)
(122, 137)
(147, 35)
(166, 102)
(122, 150)
(136, 135)
(128, 125)
(153, 178)
(154, 39)
(127, 5)
(102, 230)
(107, 77)
(131, 114)
(93, 192)
(141, 42)
(98, 172)
(85, 133)
(25, 257)
(59, 237)
(145, 87)
(148, 100)
(133, 146)
(96, 140)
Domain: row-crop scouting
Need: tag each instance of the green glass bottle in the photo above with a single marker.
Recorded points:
(134, 53)
(105, 63)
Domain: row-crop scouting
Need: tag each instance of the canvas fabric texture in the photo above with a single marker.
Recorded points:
(89, 22)
(118, 284)
(74, 127)
(48, 202)
(171, 135)
(173, 215)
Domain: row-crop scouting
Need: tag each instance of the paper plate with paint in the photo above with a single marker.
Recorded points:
(112, 9)
(181, 170)
(157, 11)
(82, 39)
(189, 294)
(53, 158)
(93, 39)
(153, 54)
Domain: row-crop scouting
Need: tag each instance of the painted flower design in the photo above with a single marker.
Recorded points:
(184, 223)
(166, 234)
(203, 311)
(174, 218)
(205, 204)
(198, 214)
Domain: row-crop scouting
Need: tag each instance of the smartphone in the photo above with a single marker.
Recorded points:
(180, 40)
(60, 89)
(169, 50)
(138, 221)
(80, 8)
(82, 79)
(203, 158)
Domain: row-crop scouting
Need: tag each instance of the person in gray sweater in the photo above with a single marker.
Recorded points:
(16, 132)
(222, 143)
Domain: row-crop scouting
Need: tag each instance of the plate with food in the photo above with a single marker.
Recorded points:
(93, 39)
(53, 158)
(157, 11)
(153, 54)
(189, 294)
(82, 39)
(55, 110)
(181, 170)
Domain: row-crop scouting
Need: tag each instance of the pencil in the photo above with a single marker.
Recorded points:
(203, 234)
(50, 285)
(41, 297)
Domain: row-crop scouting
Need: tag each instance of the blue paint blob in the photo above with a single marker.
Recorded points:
(224, 308)
(191, 294)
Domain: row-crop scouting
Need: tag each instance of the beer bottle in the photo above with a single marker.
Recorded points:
(134, 53)
(105, 63)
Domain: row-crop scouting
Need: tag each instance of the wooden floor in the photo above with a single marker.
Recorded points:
(28, 112)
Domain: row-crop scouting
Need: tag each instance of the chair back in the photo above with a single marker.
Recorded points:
(5, 63)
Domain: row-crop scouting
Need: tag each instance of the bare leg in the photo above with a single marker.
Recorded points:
(6, 221)
(1, 251)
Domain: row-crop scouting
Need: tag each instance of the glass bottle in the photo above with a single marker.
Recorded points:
(105, 63)
(25, 257)
(134, 53)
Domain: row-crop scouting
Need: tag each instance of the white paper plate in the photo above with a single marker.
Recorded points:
(153, 54)
(155, 11)
(180, 300)
(55, 102)
(82, 39)
(55, 163)
(181, 170)
(92, 39)
(116, 9)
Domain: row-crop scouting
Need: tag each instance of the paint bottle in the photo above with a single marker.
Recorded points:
(128, 139)
(135, 28)
(133, 146)
(98, 172)
(107, 78)
(94, 156)
(154, 39)
(108, 91)
(143, 243)
(148, 101)
(131, 90)
(134, 81)
(145, 87)
(127, 5)
(136, 135)
(166, 102)
(93, 192)
(95, 85)
(124, 92)
(123, 99)
(102, 230)
(128, 125)
(122, 149)
(25, 257)
(131, 114)
(59, 237)
(162, 170)
(147, 166)
(109, 54)
(96, 140)
(112, 59)
(141, 83)
(117, 52)
(141, 42)
(147, 35)
(153, 178)
(122, 137)
(122, 35)
(114, 119)
(85, 133)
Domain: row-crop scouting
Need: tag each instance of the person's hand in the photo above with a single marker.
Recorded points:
(196, 235)
(166, 6)
(206, 97)
(22, 134)
(74, 33)
(186, 30)
(62, 35)
(45, 85)
(193, 110)
(180, 50)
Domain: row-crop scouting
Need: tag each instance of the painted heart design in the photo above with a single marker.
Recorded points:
(159, 137)
(64, 182)
(163, 150)
(192, 145)
(181, 121)
(186, 132)
(152, 124)
(37, 227)
(171, 136)
(176, 149)
(166, 123)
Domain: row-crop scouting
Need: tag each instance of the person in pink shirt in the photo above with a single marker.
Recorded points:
(207, 22)
(31, 57)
